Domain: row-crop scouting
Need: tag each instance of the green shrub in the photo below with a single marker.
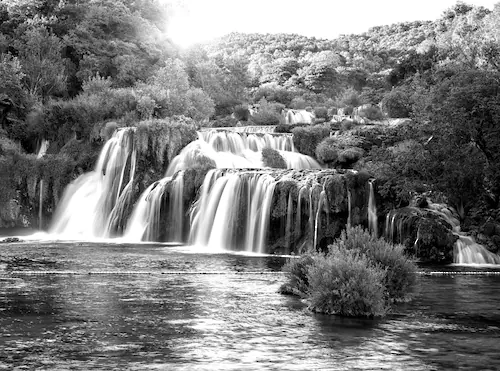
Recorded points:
(396, 104)
(161, 140)
(327, 151)
(9, 147)
(400, 269)
(350, 97)
(272, 158)
(346, 283)
(307, 138)
(371, 113)
(338, 151)
(321, 113)
(349, 156)
(297, 273)
(241, 112)
(360, 275)
(298, 103)
(282, 128)
(266, 118)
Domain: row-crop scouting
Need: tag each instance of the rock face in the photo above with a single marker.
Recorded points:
(10, 215)
(425, 233)
(489, 236)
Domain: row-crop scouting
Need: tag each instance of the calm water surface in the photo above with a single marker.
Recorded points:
(152, 307)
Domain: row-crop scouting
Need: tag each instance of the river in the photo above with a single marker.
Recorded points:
(104, 306)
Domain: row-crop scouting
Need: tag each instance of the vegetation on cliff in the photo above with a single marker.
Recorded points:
(68, 69)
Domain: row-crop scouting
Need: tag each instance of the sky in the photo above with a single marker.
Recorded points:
(202, 20)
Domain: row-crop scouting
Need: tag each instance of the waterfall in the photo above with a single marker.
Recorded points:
(159, 213)
(399, 225)
(44, 146)
(240, 206)
(231, 150)
(233, 212)
(349, 221)
(372, 211)
(92, 202)
(466, 250)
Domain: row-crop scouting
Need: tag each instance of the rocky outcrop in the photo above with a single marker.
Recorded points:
(425, 234)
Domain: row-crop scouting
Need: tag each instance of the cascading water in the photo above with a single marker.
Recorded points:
(236, 207)
(239, 151)
(44, 146)
(159, 213)
(91, 203)
(400, 225)
(233, 211)
(372, 211)
(466, 250)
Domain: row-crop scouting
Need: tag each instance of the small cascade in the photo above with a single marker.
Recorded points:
(399, 224)
(159, 213)
(289, 222)
(405, 224)
(317, 222)
(238, 142)
(44, 146)
(232, 150)
(233, 211)
(468, 251)
(93, 202)
(372, 211)
(349, 208)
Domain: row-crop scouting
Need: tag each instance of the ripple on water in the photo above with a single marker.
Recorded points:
(231, 319)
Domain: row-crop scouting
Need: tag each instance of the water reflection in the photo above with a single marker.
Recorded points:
(182, 311)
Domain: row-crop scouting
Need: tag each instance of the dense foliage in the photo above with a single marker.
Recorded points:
(70, 68)
(359, 276)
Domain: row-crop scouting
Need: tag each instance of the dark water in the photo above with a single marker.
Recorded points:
(150, 307)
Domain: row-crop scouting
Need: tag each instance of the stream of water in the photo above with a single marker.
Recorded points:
(102, 306)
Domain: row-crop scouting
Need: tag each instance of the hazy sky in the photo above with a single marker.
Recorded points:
(202, 20)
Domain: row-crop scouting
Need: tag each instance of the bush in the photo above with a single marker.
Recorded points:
(241, 112)
(307, 138)
(400, 269)
(361, 275)
(321, 113)
(346, 283)
(268, 114)
(266, 118)
(396, 104)
(371, 113)
(272, 158)
(339, 150)
(297, 274)
(349, 156)
(327, 151)
(350, 97)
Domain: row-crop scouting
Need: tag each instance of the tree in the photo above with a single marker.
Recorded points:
(465, 146)
(43, 66)
(11, 77)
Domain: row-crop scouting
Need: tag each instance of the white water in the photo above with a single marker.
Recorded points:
(466, 250)
(372, 211)
(90, 204)
(233, 211)
(230, 150)
(44, 146)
